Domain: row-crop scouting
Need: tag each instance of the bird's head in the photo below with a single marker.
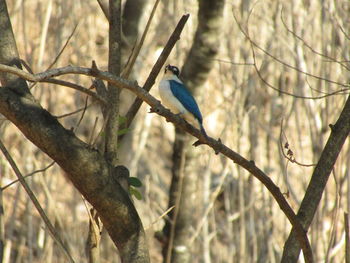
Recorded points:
(172, 70)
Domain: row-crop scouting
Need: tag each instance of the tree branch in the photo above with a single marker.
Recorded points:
(36, 203)
(339, 132)
(8, 52)
(175, 36)
(114, 61)
(256, 45)
(156, 106)
(28, 175)
(135, 52)
(77, 87)
(94, 182)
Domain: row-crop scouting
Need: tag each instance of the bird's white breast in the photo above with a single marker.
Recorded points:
(168, 98)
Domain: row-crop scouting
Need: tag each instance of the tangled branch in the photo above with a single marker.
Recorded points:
(157, 107)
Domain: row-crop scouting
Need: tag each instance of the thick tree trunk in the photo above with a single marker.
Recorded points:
(132, 14)
(87, 169)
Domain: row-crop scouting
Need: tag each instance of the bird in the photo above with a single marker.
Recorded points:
(175, 96)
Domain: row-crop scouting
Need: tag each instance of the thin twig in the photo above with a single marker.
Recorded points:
(290, 155)
(26, 66)
(44, 32)
(310, 47)
(175, 36)
(232, 62)
(36, 203)
(334, 220)
(71, 113)
(213, 197)
(64, 47)
(338, 92)
(30, 174)
(77, 87)
(93, 132)
(156, 106)
(135, 53)
(179, 162)
(254, 44)
(160, 217)
(83, 113)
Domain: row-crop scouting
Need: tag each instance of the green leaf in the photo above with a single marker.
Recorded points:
(123, 131)
(133, 191)
(134, 181)
(121, 119)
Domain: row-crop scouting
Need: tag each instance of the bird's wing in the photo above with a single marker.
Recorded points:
(185, 97)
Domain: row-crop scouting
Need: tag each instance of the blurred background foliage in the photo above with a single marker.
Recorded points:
(237, 219)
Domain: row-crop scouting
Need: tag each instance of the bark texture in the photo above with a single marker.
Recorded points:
(114, 61)
(8, 52)
(87, 169)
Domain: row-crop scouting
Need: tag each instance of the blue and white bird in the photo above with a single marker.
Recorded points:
(178, 99)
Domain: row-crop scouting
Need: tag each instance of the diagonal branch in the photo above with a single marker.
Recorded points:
(339, 132)
(134, 54)
(130, 115)
(94, 182)
(35, 201)
(64, 47)
(216, 145)
(28, 175)
(77, 87)
(86, 168)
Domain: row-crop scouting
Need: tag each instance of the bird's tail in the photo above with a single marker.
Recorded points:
(202, 130)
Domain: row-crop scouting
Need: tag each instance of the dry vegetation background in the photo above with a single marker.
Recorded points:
(240, 221)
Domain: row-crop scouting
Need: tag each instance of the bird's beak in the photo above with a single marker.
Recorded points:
(166, 68)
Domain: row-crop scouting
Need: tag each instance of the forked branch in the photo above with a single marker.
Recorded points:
(156, 106)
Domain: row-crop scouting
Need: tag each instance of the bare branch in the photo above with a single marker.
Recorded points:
(310, 47)
(339, 132)
(72, 113)
(233, 62)
(36, 203)
(104, 8)
(216, 145)
(30, 174)
(254, 44)
(175, 36)
(77, 87)
(114, 66)
(82, 114)
(338, 92)
(63, 48)
(289, 155)
(160, 217)
(136, 50)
